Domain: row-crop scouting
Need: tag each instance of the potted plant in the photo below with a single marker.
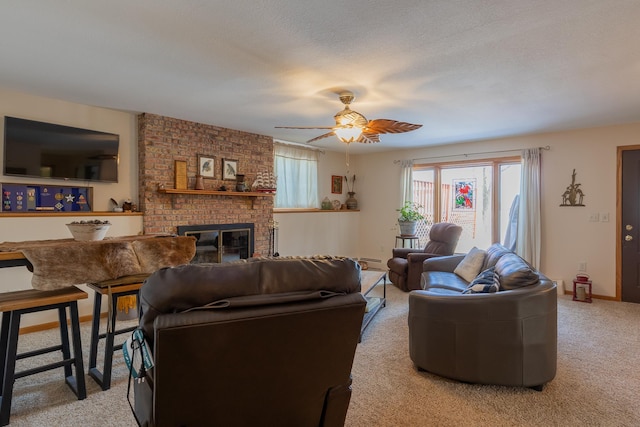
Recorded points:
(409, 217)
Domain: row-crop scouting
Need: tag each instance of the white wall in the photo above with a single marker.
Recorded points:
(43, 227)
(568, 236)
(318, 233)
(323, 233)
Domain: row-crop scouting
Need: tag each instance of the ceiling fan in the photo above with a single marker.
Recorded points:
(352, 126)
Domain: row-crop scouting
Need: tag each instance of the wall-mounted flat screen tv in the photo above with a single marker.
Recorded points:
(46, 150)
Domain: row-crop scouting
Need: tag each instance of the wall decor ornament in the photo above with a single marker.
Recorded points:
(336, 184)
(573, 195)
(206, 166)
(229, 169)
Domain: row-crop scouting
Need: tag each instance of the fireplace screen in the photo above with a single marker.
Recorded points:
(216, 243)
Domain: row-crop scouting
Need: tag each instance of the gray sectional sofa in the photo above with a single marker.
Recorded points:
(508, 337)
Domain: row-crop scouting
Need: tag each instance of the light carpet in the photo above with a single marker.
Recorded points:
(597, 384)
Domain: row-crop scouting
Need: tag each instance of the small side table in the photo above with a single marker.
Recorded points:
(413, 241)
(582, 287)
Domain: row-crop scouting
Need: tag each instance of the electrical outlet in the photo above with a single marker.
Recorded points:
(594, 217)
(582, 266)
(604, 217)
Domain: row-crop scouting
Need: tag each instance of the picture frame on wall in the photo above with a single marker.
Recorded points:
(336, 184)
(206, 166)
(229, 169)
(464, 194)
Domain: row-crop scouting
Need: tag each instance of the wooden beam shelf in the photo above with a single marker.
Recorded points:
(249, 194)
(67, 213)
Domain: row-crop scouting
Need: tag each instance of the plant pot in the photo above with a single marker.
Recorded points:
(407, 228)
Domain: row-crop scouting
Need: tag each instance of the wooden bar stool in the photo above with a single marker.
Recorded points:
(125, 286)
(13, 305)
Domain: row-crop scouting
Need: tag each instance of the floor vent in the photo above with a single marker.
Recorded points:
(371, 260)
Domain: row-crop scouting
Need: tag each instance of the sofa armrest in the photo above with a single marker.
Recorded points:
(420, 257)
(415, 268)
(442, 263)
(404, 252)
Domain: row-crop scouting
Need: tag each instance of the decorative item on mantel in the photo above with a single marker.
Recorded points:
(199, 183)
(240, 184)
(352, 202)
(180, 177)
(265, 183)
(573, 195)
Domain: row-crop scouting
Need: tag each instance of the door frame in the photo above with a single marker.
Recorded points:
(621, 150)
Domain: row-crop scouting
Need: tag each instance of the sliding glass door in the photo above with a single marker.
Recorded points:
(478, 196)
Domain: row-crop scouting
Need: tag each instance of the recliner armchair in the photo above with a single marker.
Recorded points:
(405, 267)
(260, 342)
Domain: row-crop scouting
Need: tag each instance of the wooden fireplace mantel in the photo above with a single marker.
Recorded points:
(216, 192)
(250, 194)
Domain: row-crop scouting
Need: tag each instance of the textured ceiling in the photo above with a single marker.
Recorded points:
(465, 69)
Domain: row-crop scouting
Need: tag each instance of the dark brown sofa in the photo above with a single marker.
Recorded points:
(274, 347)
(405, 266)
(506, 338)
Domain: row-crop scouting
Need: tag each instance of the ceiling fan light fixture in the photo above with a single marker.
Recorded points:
(352, 126)
(348, 133)
(349, 125)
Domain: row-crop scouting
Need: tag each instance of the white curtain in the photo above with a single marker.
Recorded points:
(407, 182)
(296, 171)
(528, 240)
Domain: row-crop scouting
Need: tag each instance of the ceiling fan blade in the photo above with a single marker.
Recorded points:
(326, 135)
(303, 127)
(368, 138)
(389, 126)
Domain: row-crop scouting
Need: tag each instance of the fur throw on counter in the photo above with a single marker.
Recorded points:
(64, 264)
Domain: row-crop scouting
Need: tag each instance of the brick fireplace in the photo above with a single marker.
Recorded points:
(163, 140)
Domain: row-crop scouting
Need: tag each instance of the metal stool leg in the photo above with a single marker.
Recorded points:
(95, 333)
(10, 367)
(108, 344)
(77, 383)
(4, 338)
(64, 339)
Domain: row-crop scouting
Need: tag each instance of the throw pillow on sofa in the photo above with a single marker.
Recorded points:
(471, 264)
(515, 272)
(486, 282)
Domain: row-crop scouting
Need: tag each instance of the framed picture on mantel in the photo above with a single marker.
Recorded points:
(206, 166)
(229, 169)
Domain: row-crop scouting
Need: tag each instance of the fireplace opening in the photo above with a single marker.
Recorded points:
(217, 243)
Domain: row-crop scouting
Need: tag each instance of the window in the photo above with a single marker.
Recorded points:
(296, 171)
(478, 196)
